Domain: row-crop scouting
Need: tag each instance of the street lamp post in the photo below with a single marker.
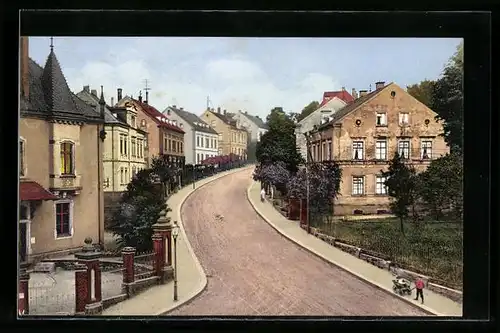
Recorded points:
(175, 233)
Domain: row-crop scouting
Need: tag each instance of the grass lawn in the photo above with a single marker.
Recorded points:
(430, 248)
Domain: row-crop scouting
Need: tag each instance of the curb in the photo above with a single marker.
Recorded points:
(201, 271)
(359, 276)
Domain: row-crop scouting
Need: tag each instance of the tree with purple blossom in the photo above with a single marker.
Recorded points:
(324, 186)
(273, 174)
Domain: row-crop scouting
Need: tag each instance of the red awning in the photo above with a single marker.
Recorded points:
(31, 191)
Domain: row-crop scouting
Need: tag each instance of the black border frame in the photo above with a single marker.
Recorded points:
(474, 27)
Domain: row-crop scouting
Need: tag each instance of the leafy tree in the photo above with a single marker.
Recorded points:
(139, 209)
(278, 144)
(401, 181)
(422, 91)
(324, 186)
(167, 171)
(442, 185)
(447, 100)
(307, 110)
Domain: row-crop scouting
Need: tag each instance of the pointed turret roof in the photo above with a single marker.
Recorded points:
(55, 88)
(50, 96)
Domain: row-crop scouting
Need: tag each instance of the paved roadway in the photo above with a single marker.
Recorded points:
(253, 270)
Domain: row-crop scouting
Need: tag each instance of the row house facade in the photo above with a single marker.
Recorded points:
(163, 135)
(364, 135)
(232, 138)
(331, 103)
(255, 127)
(124, 146)
(60, 157)
(200, 140)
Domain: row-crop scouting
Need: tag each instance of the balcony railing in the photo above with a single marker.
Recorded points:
(349, 155)
(63, 182)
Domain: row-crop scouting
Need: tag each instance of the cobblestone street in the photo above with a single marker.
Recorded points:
(252, 270)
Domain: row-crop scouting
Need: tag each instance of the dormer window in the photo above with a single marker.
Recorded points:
(143, 123)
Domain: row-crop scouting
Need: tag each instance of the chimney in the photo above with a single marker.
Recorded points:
(379, 85)
(181, 108)
(25, 80)
(343, 88)
(218, 109)
(174, 106)
(363, 93)
(94, 92)
(224, 112)
(354, 93)
(112, 101)
(140, 96)
(119, 95)
(86, 88)
(147, 94)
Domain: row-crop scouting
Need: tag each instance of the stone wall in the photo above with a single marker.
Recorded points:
(111, 201)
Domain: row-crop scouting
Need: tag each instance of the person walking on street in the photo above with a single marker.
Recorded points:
(419, 286)
(262, 195)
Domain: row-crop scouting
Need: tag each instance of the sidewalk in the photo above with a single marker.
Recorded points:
(434, 303)
(191, 279)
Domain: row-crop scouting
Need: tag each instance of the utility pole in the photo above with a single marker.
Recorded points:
(146, 89)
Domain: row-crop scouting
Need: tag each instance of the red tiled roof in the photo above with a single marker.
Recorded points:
(221, 159)
(31, 191)
(155, 114)
(342, 94)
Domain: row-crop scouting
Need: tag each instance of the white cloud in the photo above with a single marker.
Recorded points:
(232, 82)
(234, 70)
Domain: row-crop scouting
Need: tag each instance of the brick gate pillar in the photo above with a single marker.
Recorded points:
(128, 255)
(81, 288)
(162, 230)
(23, 296)
(89, 257)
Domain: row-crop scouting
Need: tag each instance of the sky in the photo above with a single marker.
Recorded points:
(249, 74)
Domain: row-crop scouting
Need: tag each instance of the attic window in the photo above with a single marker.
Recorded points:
(358, 122)
(393, 93)
(181, 125)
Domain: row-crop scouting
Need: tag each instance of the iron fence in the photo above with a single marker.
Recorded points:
(111, 279)
(52, 294)
(144, 265)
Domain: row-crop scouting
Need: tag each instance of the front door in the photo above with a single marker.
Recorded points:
(23, 246)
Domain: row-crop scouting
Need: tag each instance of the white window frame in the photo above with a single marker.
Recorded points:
(71, 210)
(429, 149)
(380, 188)
(357, 146)
(383, 119)
(404, 118)
(73, 156)
(329, 150)
(400, 149)
(381, 154)
(354, 188)
(22, 158)
(27, 221)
